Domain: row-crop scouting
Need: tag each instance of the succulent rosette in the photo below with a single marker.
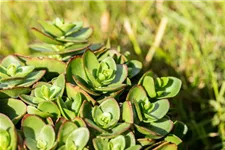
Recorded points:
(71, 136)
(8, 136)
(150, 117)
(105, 118)
(97, 77)
(134, 66)
(62, 40)
(38, 135)
(41, 101)
(16, 77)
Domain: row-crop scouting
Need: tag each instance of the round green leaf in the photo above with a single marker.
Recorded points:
(78, 138)
(64, 131)
(13, 108)
(10, 134)
(47, 135)
(31, 126)
(136, 93)
(159, 110)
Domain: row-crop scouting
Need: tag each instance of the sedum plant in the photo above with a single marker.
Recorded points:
(95, 76)
(8, 136)
(72, 136)
(16, 77)
(38, 135)
(81, 99)
(61, 40)
(105, 118)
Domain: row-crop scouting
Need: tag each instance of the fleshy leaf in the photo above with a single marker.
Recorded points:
(158, 129)
(60, 82)
(79, 122)
(91, 124)
(127, 112)
(130, 139)
(75, 68)
(7, 133)
(80, 82)
(11, 59)
(111, 87)
(73, 90)
(167, 87)
(14, 92)
(51, 28)
(45, 38)
(52, 65)
(35, 111)
(100, 144)
(31, 143)
(49, 107)
(137, 93)
(159, 110)
(64, 131)
(149, 85)
(78, 26)
(110, 107)
(48, 48)
(91, 67)
(78, 138)
(117, 130)
(80, 36)
(135, 147)
(117, 142)
(13, 108)
(47, 135)
(31, 126)
(134, 67)
(121, 74)
(32, 78)
(145, 141)
(173, 139)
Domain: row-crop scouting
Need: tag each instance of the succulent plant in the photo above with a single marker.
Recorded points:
(71, 136)
(134, 66)
(43, 91)
(13, 108)
(63, 39)
(97, 77)
(42, 96)
(105, 118)
(83, 102)
(38, 135)
(8, 136)
(16, 77)
(149, 117)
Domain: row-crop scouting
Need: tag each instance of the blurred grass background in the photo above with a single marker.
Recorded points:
(183, 39)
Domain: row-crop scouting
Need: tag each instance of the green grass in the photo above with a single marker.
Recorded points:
(188, 44)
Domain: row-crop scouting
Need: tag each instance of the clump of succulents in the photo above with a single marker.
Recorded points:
(87, 101)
